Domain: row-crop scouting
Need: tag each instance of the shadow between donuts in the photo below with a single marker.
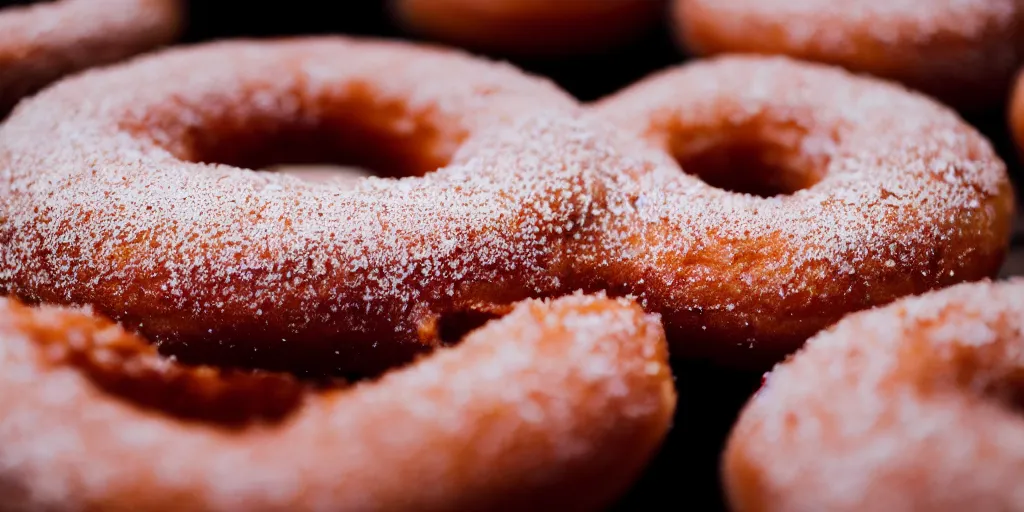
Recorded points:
(226, 397)
(760, 158)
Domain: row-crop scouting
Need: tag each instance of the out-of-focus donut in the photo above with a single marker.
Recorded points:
(870, 192)
(557, 405)
(530, 27)
(963, 52)
(915, 406)
(41, 43)
(1016, 115)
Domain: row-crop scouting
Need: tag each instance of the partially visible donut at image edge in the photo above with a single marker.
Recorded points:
(964, 53)
(530, 28)
(43, 42)
(557, 405)
(913, 406)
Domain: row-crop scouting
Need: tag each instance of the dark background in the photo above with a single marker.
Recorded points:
(685, 474)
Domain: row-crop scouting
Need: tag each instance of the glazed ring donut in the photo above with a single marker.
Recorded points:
(964, 53)
(41, 43)
(878, 193)
(559, 404)
(105, 201)
(529, 27)
(915, 406)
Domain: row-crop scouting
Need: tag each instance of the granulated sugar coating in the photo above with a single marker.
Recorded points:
(102, 204)
(41, 43)
(557, 405)
(884, 193)
(963, 51)
(914, 406)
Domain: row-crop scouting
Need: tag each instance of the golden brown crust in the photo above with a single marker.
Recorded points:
(559, 404)
(915, 406)
(885, 193)
(529, 27)
(41, 43)
(963, 52)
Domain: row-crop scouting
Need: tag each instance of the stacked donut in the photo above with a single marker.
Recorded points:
(485, 322)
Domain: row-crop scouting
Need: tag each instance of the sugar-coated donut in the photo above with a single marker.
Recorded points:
(879, 193)
(558, 404)
(103, 200)
(914, 406)
(41, 43)
(964, 52)
(529, 27)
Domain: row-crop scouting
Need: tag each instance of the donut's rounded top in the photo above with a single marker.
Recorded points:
(963, 51)
(40, 43)
(530, 28)
(557, 405)
(873, 192)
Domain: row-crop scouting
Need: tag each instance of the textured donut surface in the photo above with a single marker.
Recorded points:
(878, 193)
(41, 43)
(105, 200)
(965, 52)
(914, 406)
(558, 404)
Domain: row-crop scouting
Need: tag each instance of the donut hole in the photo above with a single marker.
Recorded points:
(225, 396)
(351, 131)
(759, 161)
(322, 173)
(222, 397)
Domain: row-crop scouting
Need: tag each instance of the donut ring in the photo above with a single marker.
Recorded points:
(103, 202)
(881, 193)
(41, 43)
(529, 27)
(915, 406)
(559, 404)
(964, 53)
